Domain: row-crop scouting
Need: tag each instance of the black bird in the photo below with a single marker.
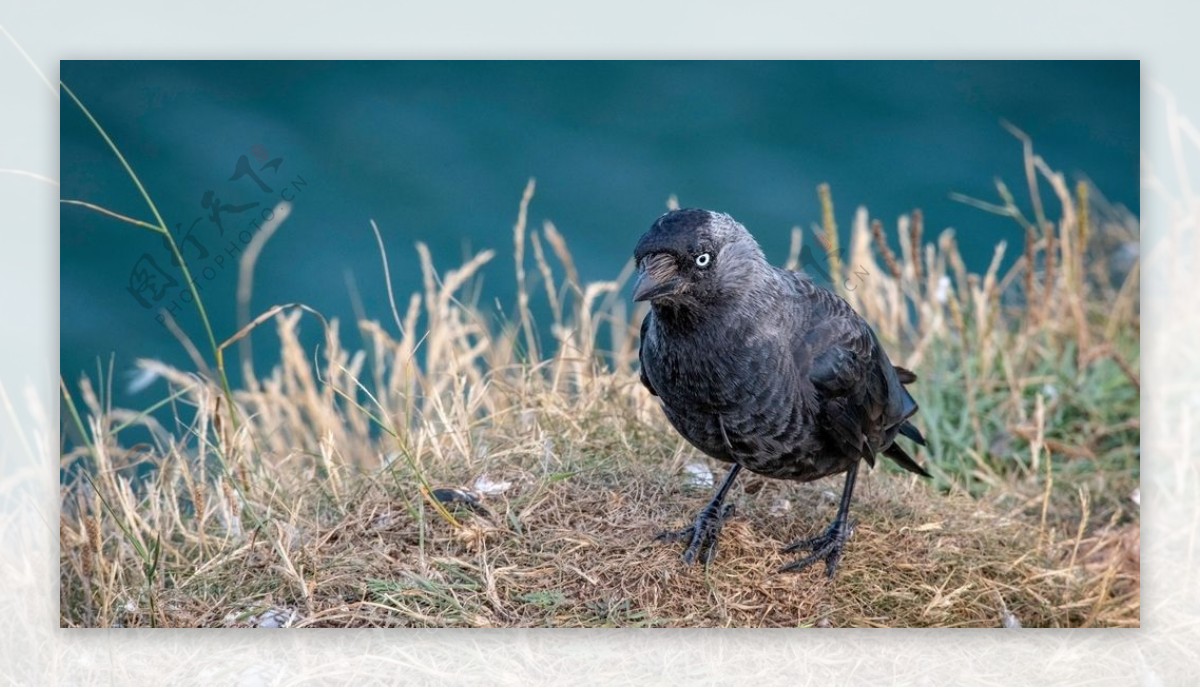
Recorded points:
(759, 367)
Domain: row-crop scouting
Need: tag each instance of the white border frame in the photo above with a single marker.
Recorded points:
(34, 650)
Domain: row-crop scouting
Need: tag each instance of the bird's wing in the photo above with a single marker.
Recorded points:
(642, 357)
(836, 345)
(847, 368)
(842, 352)
(861, 394)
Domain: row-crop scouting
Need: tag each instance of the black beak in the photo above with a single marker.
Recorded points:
(657, 278)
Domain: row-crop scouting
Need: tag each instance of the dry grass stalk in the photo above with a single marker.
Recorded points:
(918, 230)
(829, 236)
(881, 243)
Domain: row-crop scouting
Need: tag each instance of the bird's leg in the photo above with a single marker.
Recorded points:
(827, 545)
(702, 535)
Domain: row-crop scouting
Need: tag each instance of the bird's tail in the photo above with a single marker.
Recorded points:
(901, 457)
(895, 452)
(911, 432)
(908, 405)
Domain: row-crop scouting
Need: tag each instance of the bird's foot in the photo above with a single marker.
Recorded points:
(702, 535)
(827, 546)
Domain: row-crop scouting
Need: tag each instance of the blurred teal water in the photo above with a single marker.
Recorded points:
(440, 151)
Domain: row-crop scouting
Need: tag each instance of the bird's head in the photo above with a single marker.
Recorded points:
(691, 257)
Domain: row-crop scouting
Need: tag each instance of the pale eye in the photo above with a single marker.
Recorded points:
(703, 260)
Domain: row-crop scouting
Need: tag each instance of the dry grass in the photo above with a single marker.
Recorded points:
(311, 503)
(579, 552)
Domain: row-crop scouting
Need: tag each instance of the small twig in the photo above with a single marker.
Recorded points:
(1030, 172)
(387, 278)
(105, 211)
(245, 285)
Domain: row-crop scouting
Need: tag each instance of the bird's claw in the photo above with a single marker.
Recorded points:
(827, 546)
(702, 535)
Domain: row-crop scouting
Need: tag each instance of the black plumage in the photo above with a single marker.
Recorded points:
(762, 368)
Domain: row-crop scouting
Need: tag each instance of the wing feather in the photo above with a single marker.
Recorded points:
(863, 401)
(641, 355)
